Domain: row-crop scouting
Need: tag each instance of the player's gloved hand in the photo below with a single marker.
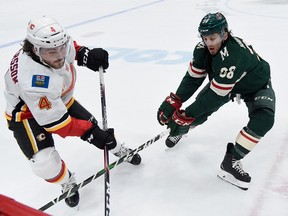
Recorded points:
(93, 58)
(100, 138)
(179, 123)
(167, 108)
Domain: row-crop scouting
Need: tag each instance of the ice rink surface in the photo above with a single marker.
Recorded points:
(150, 44)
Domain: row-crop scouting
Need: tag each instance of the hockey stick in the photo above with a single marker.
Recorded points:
(106, 155)
(101, 172)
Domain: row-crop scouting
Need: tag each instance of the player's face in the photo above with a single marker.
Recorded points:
(213, 42)
(54, 57)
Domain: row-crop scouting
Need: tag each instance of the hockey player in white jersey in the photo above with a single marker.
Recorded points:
(39, 101)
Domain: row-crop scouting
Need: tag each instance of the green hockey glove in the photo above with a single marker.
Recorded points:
(179, 123)
(168, 107)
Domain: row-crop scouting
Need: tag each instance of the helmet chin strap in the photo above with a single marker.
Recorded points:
(222, 35)
(36, 50)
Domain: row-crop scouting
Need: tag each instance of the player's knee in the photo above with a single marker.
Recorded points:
(268, 120)
(262, 122)
(48, 165)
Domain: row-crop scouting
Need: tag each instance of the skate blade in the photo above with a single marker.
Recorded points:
(232, 180)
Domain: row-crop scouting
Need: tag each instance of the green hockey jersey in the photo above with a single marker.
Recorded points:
(235, 69)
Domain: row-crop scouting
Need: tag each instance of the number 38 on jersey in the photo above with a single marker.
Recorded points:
(227, 72)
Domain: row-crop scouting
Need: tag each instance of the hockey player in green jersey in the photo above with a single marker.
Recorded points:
(234, 70)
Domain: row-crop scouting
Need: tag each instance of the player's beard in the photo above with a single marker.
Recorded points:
(57, 64)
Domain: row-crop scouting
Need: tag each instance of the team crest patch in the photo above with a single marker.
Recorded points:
(40, 81)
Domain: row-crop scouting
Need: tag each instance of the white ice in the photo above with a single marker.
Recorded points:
(150, 44)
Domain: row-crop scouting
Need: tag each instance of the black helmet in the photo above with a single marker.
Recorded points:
(213, 23)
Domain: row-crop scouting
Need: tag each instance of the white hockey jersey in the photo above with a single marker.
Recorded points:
(36, 91)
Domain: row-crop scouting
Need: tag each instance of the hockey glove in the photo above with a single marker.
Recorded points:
(93, 59)
(167, 108)
(179, 123)
(100, 138)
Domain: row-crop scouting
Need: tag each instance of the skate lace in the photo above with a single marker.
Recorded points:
(175, 139)
(69, 184)
(237, 166)
(123, 151)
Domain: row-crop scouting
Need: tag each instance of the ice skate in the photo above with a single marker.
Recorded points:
(171, 141)
(73, 199)
(135, 160)
(232, 172)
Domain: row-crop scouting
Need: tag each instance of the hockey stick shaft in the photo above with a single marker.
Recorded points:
(101, 172)
(103, 99)
(106, 155)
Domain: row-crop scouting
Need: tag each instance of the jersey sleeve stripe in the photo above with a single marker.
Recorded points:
(69, 126)
(65, 120)
(221, 89)
(196, 72)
